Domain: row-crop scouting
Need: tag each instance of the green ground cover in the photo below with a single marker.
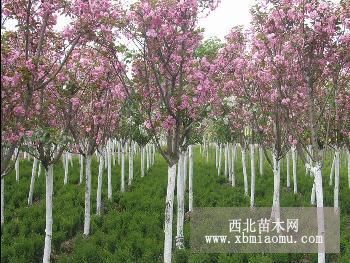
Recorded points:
(131, 227)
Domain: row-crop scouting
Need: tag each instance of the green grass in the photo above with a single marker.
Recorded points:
(131, 226)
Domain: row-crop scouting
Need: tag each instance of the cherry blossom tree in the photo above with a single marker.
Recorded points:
(93, 99)
(34, 52)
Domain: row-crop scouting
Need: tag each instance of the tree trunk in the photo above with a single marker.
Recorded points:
(207, 150)
(48, 228)
(87, 195)
(32, 181)
(185, 167)
(332, 172)
(233, 176)
(190, 179)
(294, 159)
(65, 156)
(99, 186)
(113, 151)
(81, 169)
(313, 193)
(276, 188)
(349, 168)
(147, 157)
(131, 170)
(226, 161)
(336, 178)
(261, 161)
(17, 165)
(109, 170)
(40, 167)
(2, 200)
(216, 155)
(118, 144)
(288, 168)
(142, 161)
(180, 203)
(229, 163)
(245, 176)
(320, 214)
(168, 228)
(70, 159)
(220, 158)
(122, 183)
(252, 182)
(154, 154)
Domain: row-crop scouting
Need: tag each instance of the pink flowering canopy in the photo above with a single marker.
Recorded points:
(34, 51)
(93, 97)
(171, 82)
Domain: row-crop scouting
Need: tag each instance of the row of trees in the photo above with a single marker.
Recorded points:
(284, 84)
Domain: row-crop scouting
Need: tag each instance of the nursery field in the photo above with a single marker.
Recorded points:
(130, 228)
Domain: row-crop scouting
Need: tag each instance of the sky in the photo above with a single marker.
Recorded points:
(228, 14)
(218, 23)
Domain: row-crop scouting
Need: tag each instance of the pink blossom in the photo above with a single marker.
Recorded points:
(285, 101)
(29, 133)
(147, 124)
(19, 111)
(75, 101)
(151, 33)
(169, 123)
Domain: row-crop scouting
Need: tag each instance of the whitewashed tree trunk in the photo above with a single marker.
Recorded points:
(168, 228)
(147, 157)
(252, 169)
(229, 163)
(2, 200)
(349, 168)
(336, 178)
(220, 158)
(309, 161)
(216, 155)
(332, 172)
(142, 161)
(48, 228)
(130, 164)
(313, 193)
(119, 146)
(99, 185)
(180, 203)
(32, 182)
(106, 152)
(88, 195)
(207, 150)
(276, 188)
(70, 157)
(190, 179)
(294, 160)
(244, 166)
(225, 160)
(40, 168)
(185, 167)
(261, 160)
(288, 168)
(109, 170)
(65, 156)
(233, 176)
(122, 183)
(320, 214)
(113, 151)
(17, 166)
(81, 169)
